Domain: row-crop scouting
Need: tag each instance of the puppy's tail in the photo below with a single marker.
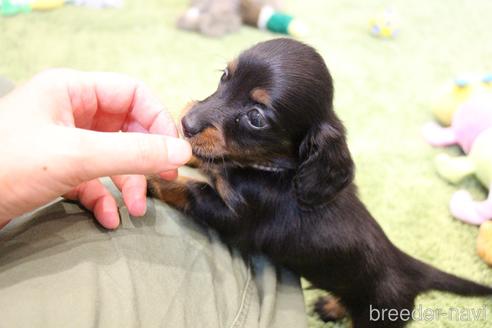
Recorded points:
(431, 278)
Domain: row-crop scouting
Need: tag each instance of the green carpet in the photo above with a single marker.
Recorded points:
(382, 93)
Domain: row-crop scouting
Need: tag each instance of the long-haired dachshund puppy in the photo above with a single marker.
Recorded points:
(281, 184)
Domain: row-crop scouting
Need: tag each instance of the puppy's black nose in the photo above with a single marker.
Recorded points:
(191, 127)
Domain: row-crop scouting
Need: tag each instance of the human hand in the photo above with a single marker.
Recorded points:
(59, 132)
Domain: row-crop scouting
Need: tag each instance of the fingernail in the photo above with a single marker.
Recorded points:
(178, 151)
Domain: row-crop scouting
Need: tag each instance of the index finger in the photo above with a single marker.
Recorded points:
(148, 113)
(145, 112)
(108, 102)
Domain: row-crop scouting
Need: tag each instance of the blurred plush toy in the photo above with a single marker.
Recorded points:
(478, 162)
(471, 118)
(484, 242)
(267, 15)
(462, 206)
(453, 94)
(219, 17)
(467, 107)
(14, 7)
(211, 17)
(385, 25)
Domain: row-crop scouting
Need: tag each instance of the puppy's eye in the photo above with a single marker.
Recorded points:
(256, 119)
(225, 74)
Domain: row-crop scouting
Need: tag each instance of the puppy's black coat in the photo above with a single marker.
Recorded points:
(281, 184)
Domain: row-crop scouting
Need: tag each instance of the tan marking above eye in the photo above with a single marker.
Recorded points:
(261, 96)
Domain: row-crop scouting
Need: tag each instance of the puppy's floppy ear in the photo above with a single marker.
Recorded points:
(326, 166)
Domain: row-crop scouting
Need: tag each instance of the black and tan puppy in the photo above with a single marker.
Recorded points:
(281, 184)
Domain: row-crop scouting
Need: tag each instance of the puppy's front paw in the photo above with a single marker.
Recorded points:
(329, 309)
(174, 193)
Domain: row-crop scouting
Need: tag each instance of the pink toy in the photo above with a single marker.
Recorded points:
(468, 210)
(471, 118)
(454, 169)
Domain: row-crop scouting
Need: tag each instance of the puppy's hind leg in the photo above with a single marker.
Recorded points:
(329, 308)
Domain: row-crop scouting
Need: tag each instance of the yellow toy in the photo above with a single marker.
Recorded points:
(452, 95)
(46, 4)
(386, 25)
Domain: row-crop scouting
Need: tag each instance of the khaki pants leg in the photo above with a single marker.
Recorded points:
(58, 268)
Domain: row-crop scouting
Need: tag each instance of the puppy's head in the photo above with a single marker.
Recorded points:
(273, 108)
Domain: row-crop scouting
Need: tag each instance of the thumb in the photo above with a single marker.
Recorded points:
(106, 154)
